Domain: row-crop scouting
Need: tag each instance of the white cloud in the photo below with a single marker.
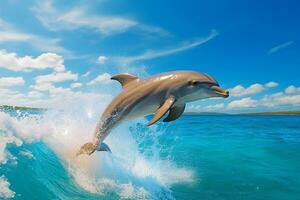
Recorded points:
(51, 89)
(198, 107)
(100, 79)
(56, 77)
(150, 54)
(242, 103)
(76, 85)
(12, 62)
(289, 98)
(60, 91)
(192, 108)
(8, 33)
(5, 28)
(35, 94)
(239, 90)
(75, 18)
(271, 84)
(5, 191)
(13, 37)
(281, 99)
(86, 74)
(292, 89)
(42, 87)
(11, 81)
(215, 106)
(102, 59)
(80, 17)
(280, 47)
(47, 95)
(64, 98)
(8, 94)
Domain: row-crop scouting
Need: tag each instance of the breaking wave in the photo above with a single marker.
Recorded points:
(139, 167)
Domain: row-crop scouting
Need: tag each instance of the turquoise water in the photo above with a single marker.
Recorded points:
(195, 157)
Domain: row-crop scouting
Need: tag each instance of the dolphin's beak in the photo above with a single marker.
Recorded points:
(220, 91)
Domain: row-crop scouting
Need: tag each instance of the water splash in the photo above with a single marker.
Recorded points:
(5, 191)
(135, 168)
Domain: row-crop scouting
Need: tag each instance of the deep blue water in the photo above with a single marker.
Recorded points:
(239, 157)
(230, 157)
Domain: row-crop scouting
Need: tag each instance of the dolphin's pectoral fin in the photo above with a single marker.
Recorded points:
(162, 110)
(103, 147)
(175, 113)
(124, 79)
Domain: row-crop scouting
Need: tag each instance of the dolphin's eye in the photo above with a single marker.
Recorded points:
(194, 83)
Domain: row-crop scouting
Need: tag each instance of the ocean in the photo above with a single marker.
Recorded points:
(209, 157)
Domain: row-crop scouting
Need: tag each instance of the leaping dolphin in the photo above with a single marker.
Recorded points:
(167, 92)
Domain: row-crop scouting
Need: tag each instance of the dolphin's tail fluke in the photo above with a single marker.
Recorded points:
(89, 148)
(103, 147)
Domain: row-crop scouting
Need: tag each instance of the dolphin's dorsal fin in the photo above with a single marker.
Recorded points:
(124, 79)
(175, 112)
(162, 110)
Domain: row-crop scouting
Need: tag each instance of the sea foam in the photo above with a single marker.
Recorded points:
(128, 170)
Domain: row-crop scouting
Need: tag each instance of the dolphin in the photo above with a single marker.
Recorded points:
(166, 92)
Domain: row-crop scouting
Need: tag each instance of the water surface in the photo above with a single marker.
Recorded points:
(195, 157)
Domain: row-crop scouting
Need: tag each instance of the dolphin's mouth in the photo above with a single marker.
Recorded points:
(220, 91)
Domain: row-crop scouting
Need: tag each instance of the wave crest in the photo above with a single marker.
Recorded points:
(135, 169)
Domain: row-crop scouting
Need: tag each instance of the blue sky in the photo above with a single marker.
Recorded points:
(57, 51)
